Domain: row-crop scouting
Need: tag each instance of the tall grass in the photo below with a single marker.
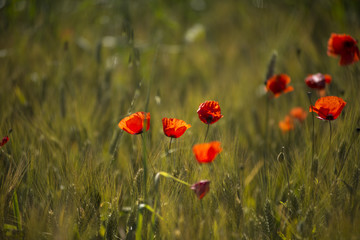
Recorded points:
(71, 70)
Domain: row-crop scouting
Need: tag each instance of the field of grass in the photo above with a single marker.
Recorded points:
(71, 70)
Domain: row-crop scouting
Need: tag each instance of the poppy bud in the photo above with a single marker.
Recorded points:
(201, 188)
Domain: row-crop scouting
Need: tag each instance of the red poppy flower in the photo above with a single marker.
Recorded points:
(174, 127)
(317, 81)
(206, 152)
(287, 124)
(209, 112)
(345, 46)
(201, 188)
(134, 123)
(298, 113)
(4, 141)
(328, 108)
(278, 84)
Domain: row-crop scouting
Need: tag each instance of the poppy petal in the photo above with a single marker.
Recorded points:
(206, 152)
(288, 89)
(4, 141)
(298, 113)
(134, 124)
(317, 81)
(287, 124)
(328, 108)
(174, 128)
(327, 78)
(209, 112)
(201, 188)
(344, 46)
(277, 84)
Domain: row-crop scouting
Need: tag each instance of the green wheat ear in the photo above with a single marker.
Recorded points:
(239, 213)
(138, 181)
(336, 195)
(111, 226)
(270, 222)
(302, 194)
(244, 237)
(228, 190)
(293, 205)
(314, 168)
(355, 179)
(342, 150)
(341, 156)
(131, 224)
(306, 226)
(271, 66)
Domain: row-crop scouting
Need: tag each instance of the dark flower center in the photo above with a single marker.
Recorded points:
(330, 117)
(348, 44)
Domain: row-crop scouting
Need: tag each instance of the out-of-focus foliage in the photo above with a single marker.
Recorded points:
(71, 70)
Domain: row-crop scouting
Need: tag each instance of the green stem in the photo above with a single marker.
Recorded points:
(17, 211)
(313, 130)
(144, 165)
(165, 174)
(207, 130)
(139, 225)
(330, 131)
(267, 110)
(170, 144)
(266, 152)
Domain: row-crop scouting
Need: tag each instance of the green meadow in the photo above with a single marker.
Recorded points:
(70, 71)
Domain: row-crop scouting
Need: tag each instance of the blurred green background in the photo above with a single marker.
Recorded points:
(71, 70)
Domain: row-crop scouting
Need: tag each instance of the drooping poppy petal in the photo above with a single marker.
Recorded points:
(344, 46)
(328, 108)
(201, 188)
(174, 127)
(278, 84)
(298, 113)
(317, 81)
(287, 124)
(206, 152)
(4, 141)
(134, 124)
(209, 112)
(328, 78)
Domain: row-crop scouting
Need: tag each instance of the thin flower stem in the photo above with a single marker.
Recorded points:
(144, 165)
(266, 152)
(170, 144)
(165, 174)
(326, 161)
(330, 131)
(313, 130)
(267, 124)
(172, 156)
(207, 130)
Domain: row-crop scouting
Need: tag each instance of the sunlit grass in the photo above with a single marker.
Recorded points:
(70, 71)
